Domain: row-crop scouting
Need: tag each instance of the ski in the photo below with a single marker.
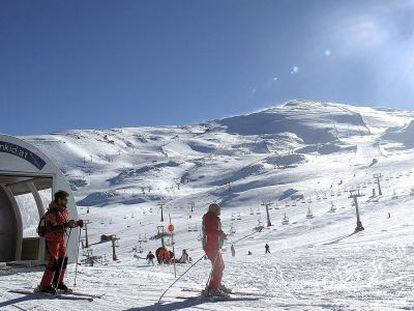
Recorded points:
(218, 299)
(75, 293)
(51, 296)
(231, 293)
(80, 294)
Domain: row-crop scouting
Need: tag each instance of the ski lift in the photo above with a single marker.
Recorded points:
(394, 195)
(309, 215)
(285, 220)
(259, 226)
(332, 209)
(160, 230)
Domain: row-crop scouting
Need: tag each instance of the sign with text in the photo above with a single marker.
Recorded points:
(23, 153)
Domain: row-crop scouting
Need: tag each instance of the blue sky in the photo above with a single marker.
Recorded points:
(102, 64)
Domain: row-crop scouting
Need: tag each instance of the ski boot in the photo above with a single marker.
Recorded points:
(215, 294)
(225, 289)
(46, 289)
(63, 288)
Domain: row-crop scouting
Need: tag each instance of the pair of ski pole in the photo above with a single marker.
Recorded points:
(63, 259)
(68, 235)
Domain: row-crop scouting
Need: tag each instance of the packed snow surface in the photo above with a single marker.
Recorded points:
(303, 157)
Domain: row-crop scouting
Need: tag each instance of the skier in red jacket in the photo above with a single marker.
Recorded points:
(57, 221)
(213, 238)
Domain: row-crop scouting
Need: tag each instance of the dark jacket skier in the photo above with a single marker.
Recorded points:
(150, 258)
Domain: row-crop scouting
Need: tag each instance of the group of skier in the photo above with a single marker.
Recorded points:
(165, 256)
(55, 223)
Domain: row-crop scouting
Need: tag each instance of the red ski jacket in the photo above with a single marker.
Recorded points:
(56, 219)
(212, 232)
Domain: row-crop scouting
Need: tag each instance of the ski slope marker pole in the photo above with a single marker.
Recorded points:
(185, 272)
(173, 248)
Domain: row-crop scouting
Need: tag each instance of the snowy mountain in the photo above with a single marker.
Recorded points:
(302, 157)
(135, 165)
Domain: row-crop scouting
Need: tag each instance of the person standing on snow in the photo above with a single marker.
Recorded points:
(184, 257)
(213, 238)
(56, 221)
(150, 258)
(233, 251)
(267, 247)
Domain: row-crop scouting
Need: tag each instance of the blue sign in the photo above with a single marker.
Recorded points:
(23, 153)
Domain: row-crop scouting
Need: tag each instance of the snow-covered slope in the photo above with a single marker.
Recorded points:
(300, 156)
(119, 166)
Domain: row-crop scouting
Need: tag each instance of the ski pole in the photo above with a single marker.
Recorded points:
(77, 257)
(185, 272)
(63, 259)
(246, 236)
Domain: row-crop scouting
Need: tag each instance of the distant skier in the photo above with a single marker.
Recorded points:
(213, 238)
(164, 256)
(233, 251)
(150, 258)
(267, 247)
(184, 257)
(389, 215)
(53, 229)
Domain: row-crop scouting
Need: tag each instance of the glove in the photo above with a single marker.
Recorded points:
(71, 224)
(79, 223)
